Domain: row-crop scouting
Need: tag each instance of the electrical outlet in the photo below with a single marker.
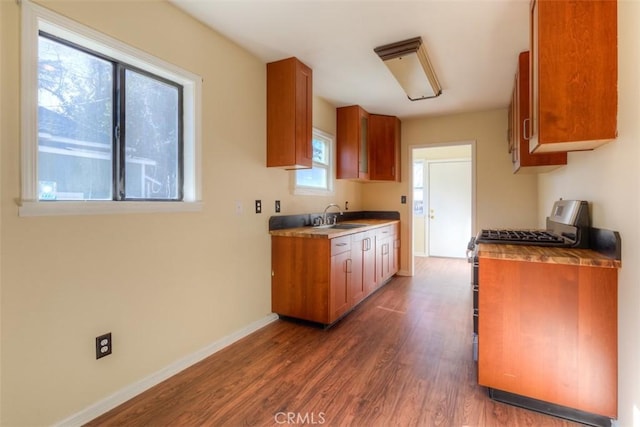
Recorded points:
(277, 206)
(346, 206)
(403, 199)
(258, 206)
(104, 345)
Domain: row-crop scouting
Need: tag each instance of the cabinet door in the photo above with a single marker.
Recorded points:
(522, 158)
(395, 250)
(384, 146)
(352, 143)
(340, 283)
(358, 244)
(574, 71)
(289, 114)
(369, 261)
(363, 267)
(384, 246)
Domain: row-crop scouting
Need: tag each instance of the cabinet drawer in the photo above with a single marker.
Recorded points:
(340, 245)
(386, 231)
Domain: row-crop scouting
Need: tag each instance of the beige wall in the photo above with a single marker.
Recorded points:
(502, 198)
(609, 178)
(168, 285)
(2, 126)
(165, 285)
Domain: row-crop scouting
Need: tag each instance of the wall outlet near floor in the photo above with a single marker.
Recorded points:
(258, 206)
(277, 206)
(103, 345)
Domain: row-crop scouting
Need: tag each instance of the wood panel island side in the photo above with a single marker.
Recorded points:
(548, 327)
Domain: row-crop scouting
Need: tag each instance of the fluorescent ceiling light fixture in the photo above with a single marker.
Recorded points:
(408, 62)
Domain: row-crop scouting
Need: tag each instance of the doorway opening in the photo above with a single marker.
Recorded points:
(443, 184)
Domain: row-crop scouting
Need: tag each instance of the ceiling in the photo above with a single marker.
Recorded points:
(473, 46)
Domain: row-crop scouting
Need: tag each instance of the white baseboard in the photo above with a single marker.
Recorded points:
(136, 388)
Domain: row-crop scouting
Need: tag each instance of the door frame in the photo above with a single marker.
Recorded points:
(412, 158)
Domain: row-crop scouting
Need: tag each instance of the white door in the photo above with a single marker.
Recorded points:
(449, 214)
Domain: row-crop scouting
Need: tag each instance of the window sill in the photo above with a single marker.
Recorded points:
(302, 191)
(27, 209)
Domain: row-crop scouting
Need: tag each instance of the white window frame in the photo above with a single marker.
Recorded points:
(36, 18)
(314, 191)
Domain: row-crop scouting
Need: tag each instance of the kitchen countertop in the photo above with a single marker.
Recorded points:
(330, 233)
(582, 257)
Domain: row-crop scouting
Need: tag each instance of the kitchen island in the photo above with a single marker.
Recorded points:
(320, 274)
(547, 337)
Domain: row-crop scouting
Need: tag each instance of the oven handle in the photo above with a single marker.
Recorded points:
(471, 248)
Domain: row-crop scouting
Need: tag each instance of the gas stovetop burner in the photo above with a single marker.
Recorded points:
(567, 226)
(524, 236)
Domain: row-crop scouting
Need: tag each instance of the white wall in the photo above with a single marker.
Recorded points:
(609, 177)
(165, 285)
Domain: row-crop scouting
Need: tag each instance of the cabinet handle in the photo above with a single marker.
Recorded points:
(525, 128)
(341, 244)
(347, 266)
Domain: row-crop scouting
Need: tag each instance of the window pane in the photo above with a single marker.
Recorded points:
(151, 138)
(320, 151)
(75, 110)
(418, 174)
(418, 202)
(314, 178)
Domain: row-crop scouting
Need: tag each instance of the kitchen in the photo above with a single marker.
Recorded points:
(182, 280)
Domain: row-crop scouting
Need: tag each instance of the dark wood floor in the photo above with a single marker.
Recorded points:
(402, 358)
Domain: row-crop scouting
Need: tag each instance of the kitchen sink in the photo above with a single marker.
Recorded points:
(348, 225)
(342, 225)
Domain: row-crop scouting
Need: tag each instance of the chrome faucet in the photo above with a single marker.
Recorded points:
(324, 214)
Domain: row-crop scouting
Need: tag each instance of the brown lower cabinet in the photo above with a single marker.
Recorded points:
(321, 279)
(549, 332)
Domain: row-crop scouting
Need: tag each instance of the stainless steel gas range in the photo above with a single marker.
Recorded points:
(567, 226)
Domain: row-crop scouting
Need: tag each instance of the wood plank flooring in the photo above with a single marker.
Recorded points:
(401, 358)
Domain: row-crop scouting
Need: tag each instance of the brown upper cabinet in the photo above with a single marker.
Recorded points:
(384, 148)
(368, 145)
(353, 143)
(523, 161)
(574, 71)
(289, 114)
